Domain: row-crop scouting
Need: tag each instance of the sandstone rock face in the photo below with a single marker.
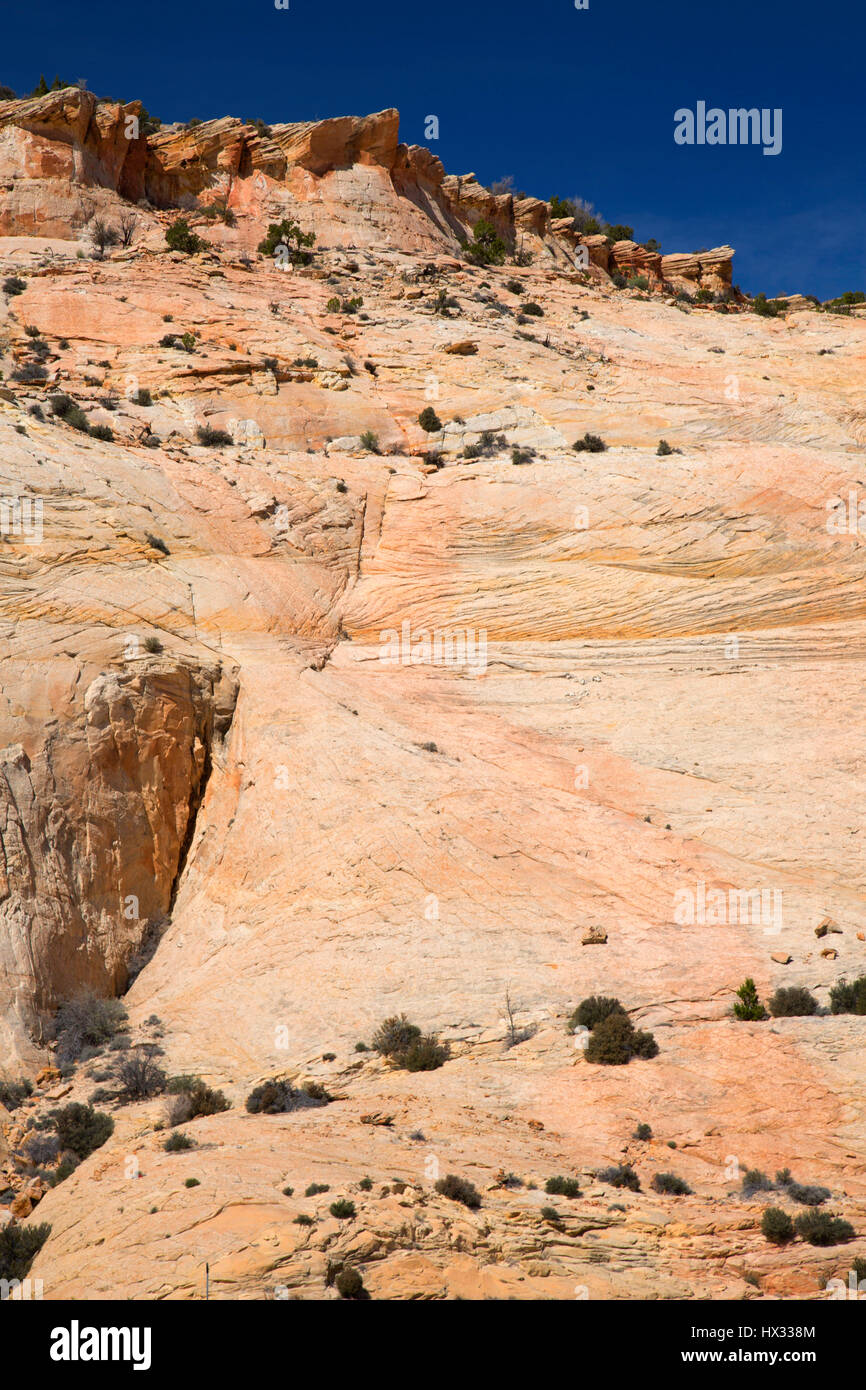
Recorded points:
(649, 669)
(94, 823)
(706, 270)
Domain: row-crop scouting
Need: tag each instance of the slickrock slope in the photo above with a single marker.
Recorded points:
(316, 838)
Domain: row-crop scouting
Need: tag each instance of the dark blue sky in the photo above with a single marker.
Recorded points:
(573, 102)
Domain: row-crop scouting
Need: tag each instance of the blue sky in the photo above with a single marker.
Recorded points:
(570, 102)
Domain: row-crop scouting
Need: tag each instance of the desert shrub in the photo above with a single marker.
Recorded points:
(102, 432)
(12, 1093)
(590, 444)
(822, 1228)
(191, 1182)
(315, 1188)
(620, 1175)
(561, 207)
(793, 1001)
(807, 1194)
(768, 308)
(643, 1132)
(459, 1190)
(303, 1220)
(562, 1187)
(156, 543)
(295, 241)
(19, 1246)
(143, 396)
(519, 455)
(178, 1142)
(637, 282)
(281, 1098)
(179, 237)
(103, 235)
(42, 1148)
(343, 1209)
(139, 1076)
(849, 998)
(429, 420)
(777, 1226)
(514, 286)
(671, 1185)
(755, 1181)
(153, 645)
(532, 309)
(486, 247)
(593, 1010)
(370, 442)
(664, 448)
(36, 411)
(704, 297)
(82, 1129)
(618, 231)
(212, 438)
(13, 285)
(749, 1009)
(618, 279)
(86, 1021)
(349, 1283)
(615, 1040)
(366, 1184)
(192, 1098)
(552, 1215)
(395, 1035)
(424, 1054)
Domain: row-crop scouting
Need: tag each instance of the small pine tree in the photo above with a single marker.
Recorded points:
(749, 1009)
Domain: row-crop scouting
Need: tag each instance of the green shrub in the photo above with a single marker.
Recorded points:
(394, 1036)
(315, 1188)
(562, 1187)
(590, 444)
(618, 231)
(424, 1054)
(333, 305)
(370, 442)
(82, 1129)
(809, 1194)
(793, 1002)
(459, 1190)
(295, 241)
(304, 1220)
(143, 396)
(637, 282)
(486, 247)
(664, 448)
(519, 456)
(191, 1182)
(561, 207)
(366, 1184)
(86, 1021)
(349, 1283)
(343, 1209)
(552, 1215)
(643, 1132)
(777, 1226)
(749, 1009)
(768, 308)
(755, 1181)
(670, 1185)
(615, 1040)
(13, 285)
(620, 1175)
(429, 420)
(821, 1228)
(19, 1246)
(192, 1099)
(178, 1142)
(180, 238)
(212, 438)
(12, 1093)
(592, 1011)
(532, 309)
(514, 286)
(849, 998)
(281, 1098)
